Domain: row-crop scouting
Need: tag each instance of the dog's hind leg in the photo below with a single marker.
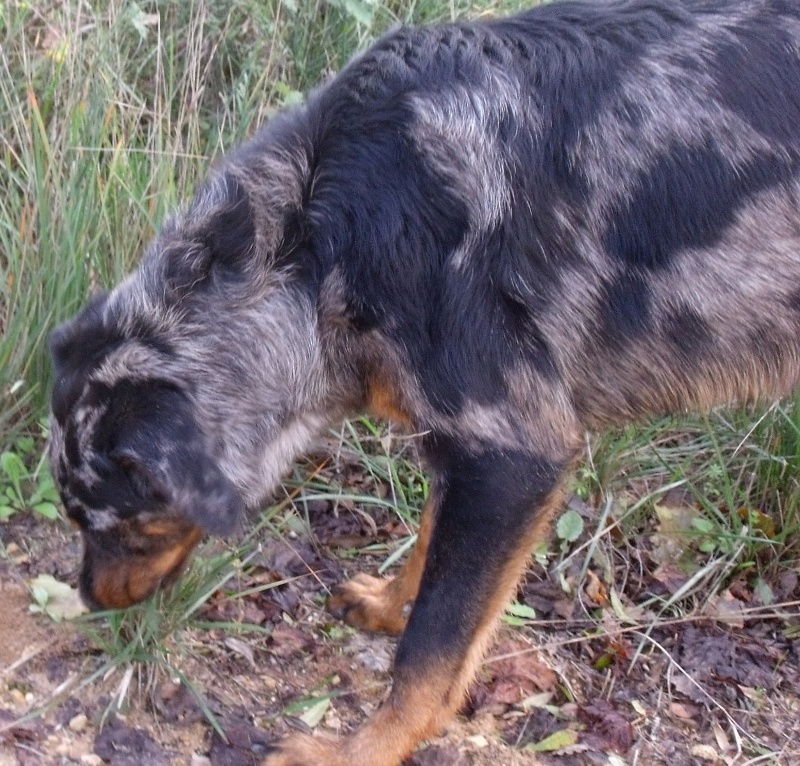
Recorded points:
(494, 505)
(383, 604)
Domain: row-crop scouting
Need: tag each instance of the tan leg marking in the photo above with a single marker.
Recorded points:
(407, 717)
(381, 605)
(419, 707)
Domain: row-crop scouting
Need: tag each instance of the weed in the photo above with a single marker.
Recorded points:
(154, 638)
(25, 481)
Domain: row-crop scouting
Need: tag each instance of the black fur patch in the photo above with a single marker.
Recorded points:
(488, 502)
(761, 60)
(625, 309)
(688, 332)
(687, 198)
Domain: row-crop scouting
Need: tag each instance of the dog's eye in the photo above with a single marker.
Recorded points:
(138, 479)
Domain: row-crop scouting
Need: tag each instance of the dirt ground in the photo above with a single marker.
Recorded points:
(592, 691)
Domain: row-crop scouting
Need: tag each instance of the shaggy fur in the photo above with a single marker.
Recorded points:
(497, 234)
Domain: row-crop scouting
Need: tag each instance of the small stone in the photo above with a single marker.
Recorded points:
(200, 760)
(18, 697)
(63, 748)
(91, 759)
(269, 682)
(478, 740)
(78, 723)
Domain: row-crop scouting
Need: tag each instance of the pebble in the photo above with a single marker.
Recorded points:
(18, 697)
(63, 748)
(78, 723)
(200, 760)
(91, 759)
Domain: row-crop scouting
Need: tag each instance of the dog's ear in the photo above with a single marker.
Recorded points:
(230, 231)
(150, 437)
(82, 335)
(214, 238)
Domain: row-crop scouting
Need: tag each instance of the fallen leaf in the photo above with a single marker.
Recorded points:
(286, 641)
(518, 675)
(704, 753)
(725, 608)
(723, 742)
(56, 599)
(124, 745)
(684, 712)
(606, 728)
(596, 590)
(241, 648)
(315, 712)
(626, 613)
(556, 741)
(676, 515)
(759, 521)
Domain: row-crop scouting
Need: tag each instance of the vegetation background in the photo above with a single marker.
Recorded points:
(110, 113)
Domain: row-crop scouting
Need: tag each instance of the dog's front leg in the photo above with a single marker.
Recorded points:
(495, 504)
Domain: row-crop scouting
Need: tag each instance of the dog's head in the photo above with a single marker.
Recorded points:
(131, 451)
(133, 466)
(182, 396)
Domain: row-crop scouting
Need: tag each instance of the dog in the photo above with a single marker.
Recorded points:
(497, 234)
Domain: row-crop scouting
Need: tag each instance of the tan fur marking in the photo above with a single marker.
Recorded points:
(412, 714)
(123, 583)
(383, 402)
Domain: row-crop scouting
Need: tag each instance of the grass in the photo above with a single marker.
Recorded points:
(111, 113)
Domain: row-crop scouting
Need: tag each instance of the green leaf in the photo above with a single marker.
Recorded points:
(556, 741)
(315, 713)
(40, 594)
(13, 467)
(57, 599)
(703, 526)
(523, 611)
(24, 445)
(6, 511)
(140, 20)
(15, 498)
(48, 510)
(45, 490)
(765, 594)
(570, 526)
(360, 10)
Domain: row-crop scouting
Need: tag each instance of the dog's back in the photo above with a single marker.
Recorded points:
(610, 195)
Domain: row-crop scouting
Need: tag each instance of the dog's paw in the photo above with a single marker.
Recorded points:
(369, 603)
(305, 750)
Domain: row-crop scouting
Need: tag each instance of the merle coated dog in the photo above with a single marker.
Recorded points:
(497, 234)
